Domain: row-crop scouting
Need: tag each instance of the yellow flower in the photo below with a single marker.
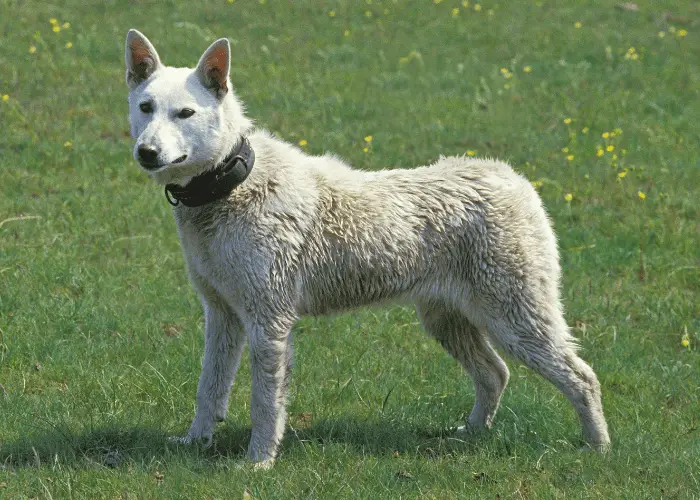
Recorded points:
(605, 135)
(584, 130)
(53, 20)
(66, 26)
(527, 69)
(67, 144)
(641, 195)
(599, 152)
(570, 157)
(347, 33)
(32, 49)
(303, 142)
(685, 340)
(368, 13)
(465, 3)
(537, 184)
(682, 33)
(455, 12)
(508, 75)
(368, 138)
(577, 24)
(618, 131)
(661, 34)
(437, 1)
(471, 152)
(567, 120)
(365, 150)
(262, 2)
(610, 148)
(331, 13)
(504, 71)
(5, 97)
(564, 150)
(568, 196)
(622, 174)
(56, 28)
(69, 45)
(231, 1)
(477, 7)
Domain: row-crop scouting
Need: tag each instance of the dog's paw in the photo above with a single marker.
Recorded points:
(264, 464)
(205, 440)
(601, 448)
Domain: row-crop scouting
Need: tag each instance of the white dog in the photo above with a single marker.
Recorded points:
(270, 233)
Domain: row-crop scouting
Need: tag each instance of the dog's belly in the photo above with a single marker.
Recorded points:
(333, 287)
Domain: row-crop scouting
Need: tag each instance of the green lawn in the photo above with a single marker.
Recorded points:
(101, 333)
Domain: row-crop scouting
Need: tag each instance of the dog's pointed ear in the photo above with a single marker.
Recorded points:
(141, 59)
(214, 65)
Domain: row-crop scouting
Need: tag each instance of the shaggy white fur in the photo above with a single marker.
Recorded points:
(466, 240)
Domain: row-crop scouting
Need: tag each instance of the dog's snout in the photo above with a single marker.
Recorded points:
(148, 156)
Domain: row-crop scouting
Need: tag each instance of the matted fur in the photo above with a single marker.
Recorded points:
(466, 240)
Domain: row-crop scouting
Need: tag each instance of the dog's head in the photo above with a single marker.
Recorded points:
(184, 120)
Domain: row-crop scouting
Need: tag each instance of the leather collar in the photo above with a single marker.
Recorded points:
(216, 183)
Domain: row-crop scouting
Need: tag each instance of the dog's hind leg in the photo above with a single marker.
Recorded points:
(470, 347)
(541, 341)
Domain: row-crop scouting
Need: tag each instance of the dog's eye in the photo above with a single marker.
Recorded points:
(185, 113)
(146, 107)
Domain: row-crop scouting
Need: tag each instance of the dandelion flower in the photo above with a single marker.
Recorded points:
(465, 4)
(605, 135)
(368, 138)
(56, 28)
(504, 71)
(577, 24)
(67, 144)
(477, 7)
(567, 120)
(32, 49)
(661, 34)
(455, 12)
(682, 33)
(584, 130)
(610, 148)
(365, 150)
(231, 1)
(599, 152)
(568, 197)
(570, 157)
(303, 142)
(347, 33)
(53, 20)
(685, 340)
(641, 195)
(368, 13)
(331, 13)
(622, 174)
(471, 152)
(69, 45)
(5, 97)
(564, 150)
(527, 69)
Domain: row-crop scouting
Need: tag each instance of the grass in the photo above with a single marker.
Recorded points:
(101, 333)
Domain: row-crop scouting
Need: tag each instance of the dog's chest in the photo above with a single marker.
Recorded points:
(212, 251)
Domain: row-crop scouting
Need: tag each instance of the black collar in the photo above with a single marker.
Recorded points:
(216, 183)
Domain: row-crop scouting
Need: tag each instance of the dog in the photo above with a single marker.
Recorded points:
(271, 233)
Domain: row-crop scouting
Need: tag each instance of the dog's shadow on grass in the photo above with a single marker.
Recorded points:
(116, 445)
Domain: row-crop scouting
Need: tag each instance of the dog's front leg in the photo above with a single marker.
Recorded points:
(270, 355)
(223, 344)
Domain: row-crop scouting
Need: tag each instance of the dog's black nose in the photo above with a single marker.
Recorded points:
(148, 156)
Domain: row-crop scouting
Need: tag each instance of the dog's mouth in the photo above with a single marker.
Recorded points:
(156, 166)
